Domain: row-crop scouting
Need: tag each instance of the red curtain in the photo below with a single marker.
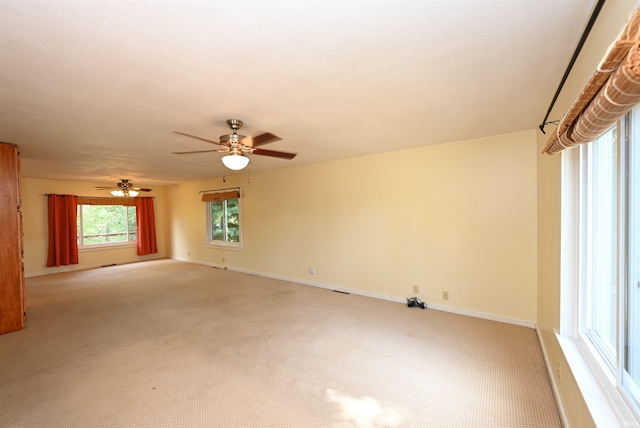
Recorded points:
(63, 230)
(146, 226)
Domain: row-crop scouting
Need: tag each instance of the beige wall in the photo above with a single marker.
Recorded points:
(34, 207)
(610, 22)
(459, 217)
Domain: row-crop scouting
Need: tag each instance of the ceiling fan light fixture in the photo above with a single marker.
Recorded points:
(124, 189)
(235, 161)
(124, 193)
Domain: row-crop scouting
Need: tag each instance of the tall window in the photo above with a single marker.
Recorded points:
(106, 224)
(604, 194)
(599, 180)
(631, 280)
(223, 223)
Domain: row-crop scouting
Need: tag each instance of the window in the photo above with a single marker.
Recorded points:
(599, 232)
(100, 225)
(223, 223)
(631, 280)
(602, 197)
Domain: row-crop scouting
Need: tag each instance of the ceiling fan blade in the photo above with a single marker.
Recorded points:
(105, 188)
(142, 190)
(197, 138)
(260, 140)
(274, 154)
(197, 151)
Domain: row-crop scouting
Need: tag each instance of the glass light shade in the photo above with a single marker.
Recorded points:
(125, 193)
(235, 161)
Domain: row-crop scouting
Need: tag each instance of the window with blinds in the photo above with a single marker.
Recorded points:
(602, 190)
(223, 219)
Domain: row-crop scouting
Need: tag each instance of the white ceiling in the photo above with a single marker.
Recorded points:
(92, 90)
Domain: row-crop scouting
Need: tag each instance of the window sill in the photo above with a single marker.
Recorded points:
(103, 247)
(225, 246)
(606, 409)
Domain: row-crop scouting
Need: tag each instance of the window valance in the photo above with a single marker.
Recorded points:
(98, 200)
(610, 93)
(220, 196)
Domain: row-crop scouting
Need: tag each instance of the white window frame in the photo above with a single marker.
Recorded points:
(229, 245)
(601, 386)
(103, 246)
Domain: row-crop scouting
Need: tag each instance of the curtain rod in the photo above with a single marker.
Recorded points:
(583, 39)
(220, 190)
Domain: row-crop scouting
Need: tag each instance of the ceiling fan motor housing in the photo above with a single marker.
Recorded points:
(231, 139)
(234, 139)
(124, 184)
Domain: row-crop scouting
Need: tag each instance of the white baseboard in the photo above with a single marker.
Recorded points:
(552, 378)
(75, 268)
(482, 315)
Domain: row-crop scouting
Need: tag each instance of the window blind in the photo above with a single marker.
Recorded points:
(91, 200)
(611, 92)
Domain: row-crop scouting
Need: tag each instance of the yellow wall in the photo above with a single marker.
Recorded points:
(34, 208)
(611, 20)
(459, 217)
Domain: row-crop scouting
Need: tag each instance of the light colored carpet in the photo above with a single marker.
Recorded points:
(172, 344)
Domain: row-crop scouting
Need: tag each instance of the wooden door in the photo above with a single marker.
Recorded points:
(12, 303)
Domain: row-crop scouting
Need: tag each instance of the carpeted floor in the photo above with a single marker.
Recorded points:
(172, 344)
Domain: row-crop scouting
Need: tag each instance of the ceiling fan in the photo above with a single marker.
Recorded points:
(124, 189)
(237, 145)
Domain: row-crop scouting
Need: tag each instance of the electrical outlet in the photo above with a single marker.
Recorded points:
(223, 259)
(559, 371)
(416, 289)
(445, 295)
(312, 270)
(189, 253)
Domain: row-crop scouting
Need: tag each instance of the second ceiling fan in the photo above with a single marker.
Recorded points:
(124, 189)
(237, 146)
